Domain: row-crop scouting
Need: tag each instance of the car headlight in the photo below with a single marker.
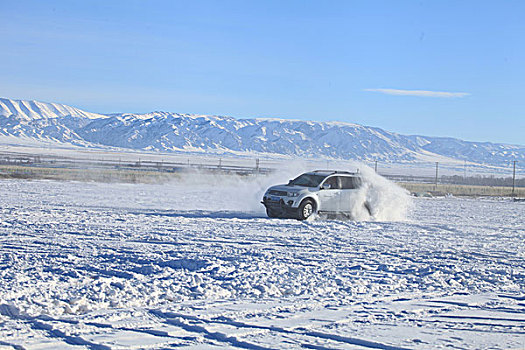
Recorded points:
(293, 194)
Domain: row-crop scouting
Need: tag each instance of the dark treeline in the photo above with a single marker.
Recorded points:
(482, 180)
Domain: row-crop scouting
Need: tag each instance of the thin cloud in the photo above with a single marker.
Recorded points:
(420, 93)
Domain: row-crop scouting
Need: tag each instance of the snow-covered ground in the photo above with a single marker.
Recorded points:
(197, 264)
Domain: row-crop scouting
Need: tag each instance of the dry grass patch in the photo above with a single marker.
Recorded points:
(462, 190)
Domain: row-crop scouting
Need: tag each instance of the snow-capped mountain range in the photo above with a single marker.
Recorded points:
(172, 132)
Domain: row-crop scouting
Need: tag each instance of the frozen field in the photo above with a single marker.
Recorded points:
(112, 266)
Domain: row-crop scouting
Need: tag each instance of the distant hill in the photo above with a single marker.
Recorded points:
(172, 132)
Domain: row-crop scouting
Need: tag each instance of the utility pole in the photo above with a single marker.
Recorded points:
(513, 177)
(465, 172)
(375, 167)
(436, 182)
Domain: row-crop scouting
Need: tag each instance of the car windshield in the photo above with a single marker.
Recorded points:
(308, 180)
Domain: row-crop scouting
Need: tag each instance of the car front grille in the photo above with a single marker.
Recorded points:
(278, 193)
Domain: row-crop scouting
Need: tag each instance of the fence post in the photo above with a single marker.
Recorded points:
(436, 181)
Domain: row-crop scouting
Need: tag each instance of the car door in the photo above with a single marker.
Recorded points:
(350, 194)
(329, 197)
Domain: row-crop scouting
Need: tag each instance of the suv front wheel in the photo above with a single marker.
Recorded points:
(306, 209)
(271, 213)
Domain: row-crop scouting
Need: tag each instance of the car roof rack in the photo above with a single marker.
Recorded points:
(336, 172)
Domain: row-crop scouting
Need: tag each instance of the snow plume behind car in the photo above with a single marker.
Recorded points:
(227, 192)
(241, 194)
(387, 200)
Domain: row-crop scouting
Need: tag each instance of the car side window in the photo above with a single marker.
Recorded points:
(350, 183)
(339, 182)
(334, 182)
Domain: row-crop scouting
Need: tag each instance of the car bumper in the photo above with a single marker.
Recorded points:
(282, 206)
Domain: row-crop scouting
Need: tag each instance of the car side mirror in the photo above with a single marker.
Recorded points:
(326, 187)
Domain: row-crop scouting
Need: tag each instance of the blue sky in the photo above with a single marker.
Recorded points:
(440, 68)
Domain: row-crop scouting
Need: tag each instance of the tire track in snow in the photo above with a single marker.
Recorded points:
(14, 346)
(171, 317)
(153, 332)
(451, 325)
(217, 336)
(13, 313)
(72, 340)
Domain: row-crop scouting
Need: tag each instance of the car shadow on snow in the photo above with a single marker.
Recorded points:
(193, 214)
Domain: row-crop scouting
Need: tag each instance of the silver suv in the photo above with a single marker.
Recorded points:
(321, 191)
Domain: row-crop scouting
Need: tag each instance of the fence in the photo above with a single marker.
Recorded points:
(437, 174)
(141, 163)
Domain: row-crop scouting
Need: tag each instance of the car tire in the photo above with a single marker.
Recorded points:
(271, 213)
(306, 209)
